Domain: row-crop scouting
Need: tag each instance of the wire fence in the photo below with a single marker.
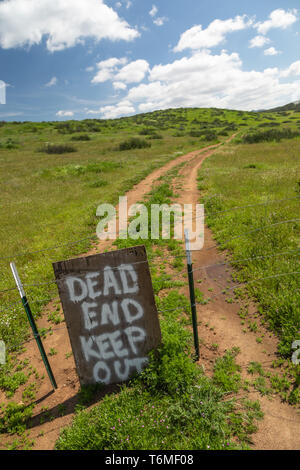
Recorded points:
(182, 256)
(232, 262)
(95, 237)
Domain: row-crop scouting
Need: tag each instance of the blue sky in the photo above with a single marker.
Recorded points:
(77, 59)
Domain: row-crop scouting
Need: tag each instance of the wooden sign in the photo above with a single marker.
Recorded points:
(110, 311)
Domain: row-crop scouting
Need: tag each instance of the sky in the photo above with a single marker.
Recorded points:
(80, 59)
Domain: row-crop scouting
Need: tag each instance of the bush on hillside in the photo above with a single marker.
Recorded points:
(80, 137)
(134, 143)
(269, 136)
(58, 148)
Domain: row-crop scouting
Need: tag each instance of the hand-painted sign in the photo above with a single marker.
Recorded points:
(110, 311)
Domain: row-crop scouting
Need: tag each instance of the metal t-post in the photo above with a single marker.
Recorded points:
(32, 324)
(192, 292)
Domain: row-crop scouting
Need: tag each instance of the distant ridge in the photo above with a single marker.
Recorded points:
(295, 106)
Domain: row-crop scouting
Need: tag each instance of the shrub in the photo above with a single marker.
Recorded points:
(269, 136)
(155, 136)
(210, 136)
(134, 143)
(9, 144)
(58, 148)
(147, 131)
(81, 137)
(14, 417)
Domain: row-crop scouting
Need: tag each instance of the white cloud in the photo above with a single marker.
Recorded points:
(160, 21)
(153, 11)
(128, 4)
(65, 113)
(211, 80)
(259, 41)
(118, 5)
(292, 70)
(111, 63)
(119, 86)
(198, 38)
(52, 82)
(64, 23)
(123, 108)
(107, 68)
(278, 19)
(271, 51)
(134, 72)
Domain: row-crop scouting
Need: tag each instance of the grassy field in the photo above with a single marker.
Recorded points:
(49, 200)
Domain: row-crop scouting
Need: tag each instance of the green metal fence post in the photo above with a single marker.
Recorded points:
(32, 324)
(192, 293)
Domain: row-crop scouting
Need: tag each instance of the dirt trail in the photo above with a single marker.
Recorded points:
(280, 427)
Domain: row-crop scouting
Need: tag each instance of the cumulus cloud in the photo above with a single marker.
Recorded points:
(259, 41)
(271, 51)
(153, 11)
(198, 38)
(160, 21)
(123, 108)
(107, 69)
(205, 80)
(278, 19)
(52, 82)
(63, 23)
(119, 86)
(292, 70)
(64, 113)
(134, 72)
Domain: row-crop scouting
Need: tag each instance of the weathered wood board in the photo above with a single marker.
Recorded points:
(110, 312)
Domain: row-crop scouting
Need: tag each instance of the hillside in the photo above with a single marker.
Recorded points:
(287, 107)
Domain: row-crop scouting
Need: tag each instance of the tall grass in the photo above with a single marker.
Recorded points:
(246, 175)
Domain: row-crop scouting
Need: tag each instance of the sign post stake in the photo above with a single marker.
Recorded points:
(192, 292)
(32, 324)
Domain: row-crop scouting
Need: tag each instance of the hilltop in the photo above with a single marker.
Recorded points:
(295, 106)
